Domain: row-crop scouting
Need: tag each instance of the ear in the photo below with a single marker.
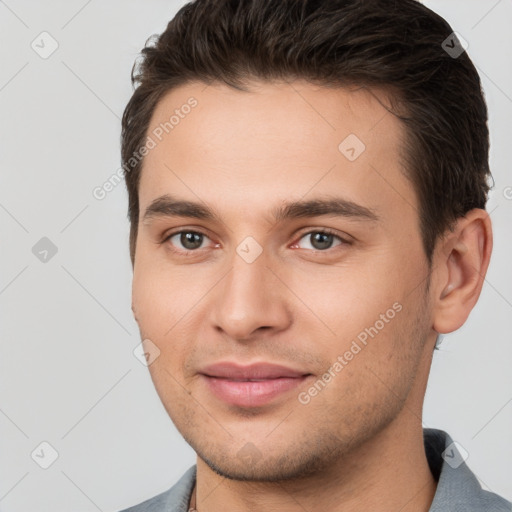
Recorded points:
(134, 312)
(460, 264)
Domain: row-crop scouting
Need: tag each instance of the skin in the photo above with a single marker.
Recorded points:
(299, 304)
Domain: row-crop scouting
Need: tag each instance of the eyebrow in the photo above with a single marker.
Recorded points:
(169, 206)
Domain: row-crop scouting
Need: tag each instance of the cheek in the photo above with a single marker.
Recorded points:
(365, 312)
(345, 300)
(164, 304)
(159, 297)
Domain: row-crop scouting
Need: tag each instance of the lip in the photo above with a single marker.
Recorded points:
(253, 385)
(235, 371)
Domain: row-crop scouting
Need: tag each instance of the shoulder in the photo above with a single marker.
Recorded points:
(175, 499)
(457, 486)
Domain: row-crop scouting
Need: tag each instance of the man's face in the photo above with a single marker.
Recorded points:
(302, 291)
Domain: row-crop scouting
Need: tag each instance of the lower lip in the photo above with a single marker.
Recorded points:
(251, 393)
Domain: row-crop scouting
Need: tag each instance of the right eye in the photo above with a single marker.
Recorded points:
(189, 240)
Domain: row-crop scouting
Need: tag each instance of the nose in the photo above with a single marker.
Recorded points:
(249, 300)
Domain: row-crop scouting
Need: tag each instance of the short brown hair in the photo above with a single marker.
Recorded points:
(403, 46)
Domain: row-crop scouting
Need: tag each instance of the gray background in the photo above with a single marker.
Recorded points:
(68, 375)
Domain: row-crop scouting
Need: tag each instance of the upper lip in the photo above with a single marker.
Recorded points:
(230, 370)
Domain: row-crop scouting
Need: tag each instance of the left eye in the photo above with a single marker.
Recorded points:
(321, 240)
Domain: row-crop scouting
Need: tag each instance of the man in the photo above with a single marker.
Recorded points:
(307, 186)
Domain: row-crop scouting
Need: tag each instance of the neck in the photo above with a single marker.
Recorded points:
(389, 472)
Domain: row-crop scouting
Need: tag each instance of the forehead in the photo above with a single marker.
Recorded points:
(278, 141)
(305, 109)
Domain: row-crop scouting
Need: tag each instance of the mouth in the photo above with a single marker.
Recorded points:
(251, 392)
(251, 386)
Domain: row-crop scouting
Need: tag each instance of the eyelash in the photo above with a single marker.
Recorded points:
(190, 252)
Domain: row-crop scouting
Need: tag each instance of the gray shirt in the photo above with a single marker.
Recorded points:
(457, 490)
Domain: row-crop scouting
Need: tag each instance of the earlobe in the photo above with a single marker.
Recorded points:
(462, 262)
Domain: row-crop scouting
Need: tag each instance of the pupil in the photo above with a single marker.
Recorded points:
(322, 240)
(191, 240)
